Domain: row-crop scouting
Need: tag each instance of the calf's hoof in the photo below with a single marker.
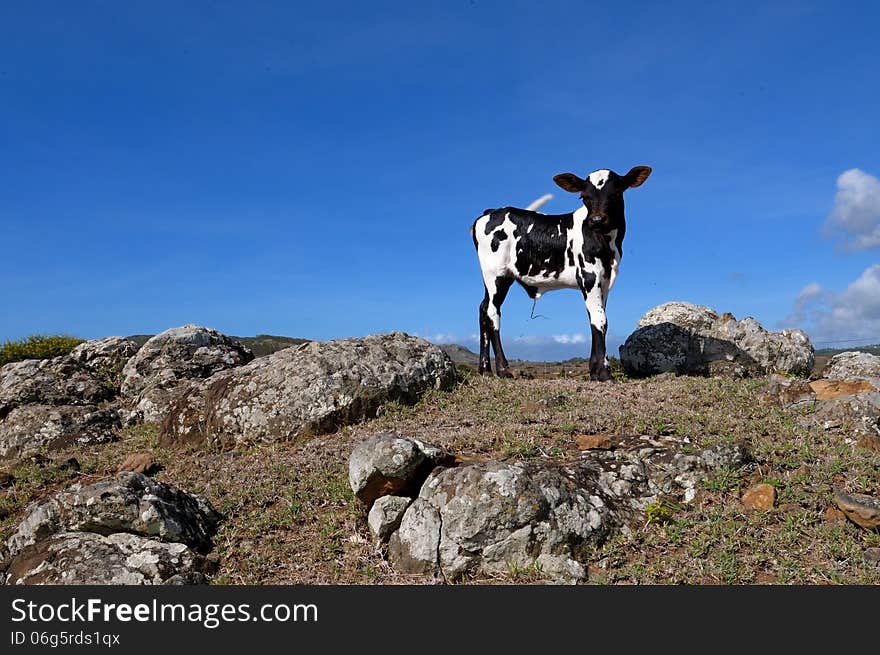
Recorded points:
(602, 376)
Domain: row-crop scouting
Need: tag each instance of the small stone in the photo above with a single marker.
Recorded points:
(531, 407)
(561, 569)
(554, 400)
(69, 464)
(725, 455)
(759, 496)
(833, 515)
(869, 442)
(766, 578)
(831, 389)
(593, 441)
(386, 514)
(40, 461)
(791, 390)
(873, 555)
(389, 464)
(860, 509)
(138, 463)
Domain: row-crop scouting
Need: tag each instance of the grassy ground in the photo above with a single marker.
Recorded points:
(291, 517)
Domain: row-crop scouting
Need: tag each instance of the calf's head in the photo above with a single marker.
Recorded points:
(602, 193)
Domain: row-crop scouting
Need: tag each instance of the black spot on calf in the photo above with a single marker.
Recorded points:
(497, 238)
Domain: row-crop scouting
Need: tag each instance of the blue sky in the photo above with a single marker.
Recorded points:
(312, 169)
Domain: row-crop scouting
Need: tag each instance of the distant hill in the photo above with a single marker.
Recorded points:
(459, 354)
(262, 344)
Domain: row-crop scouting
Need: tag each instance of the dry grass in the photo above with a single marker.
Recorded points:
(291, 517)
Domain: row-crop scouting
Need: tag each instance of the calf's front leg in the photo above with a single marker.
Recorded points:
(599, 368)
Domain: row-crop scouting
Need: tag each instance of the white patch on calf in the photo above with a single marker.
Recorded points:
(495, 264)
(599, 178)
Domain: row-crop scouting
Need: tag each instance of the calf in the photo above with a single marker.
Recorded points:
(580, 250)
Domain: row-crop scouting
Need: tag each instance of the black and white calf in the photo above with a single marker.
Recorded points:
(542, 252)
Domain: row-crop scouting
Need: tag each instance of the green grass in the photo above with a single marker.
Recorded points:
(37, 346)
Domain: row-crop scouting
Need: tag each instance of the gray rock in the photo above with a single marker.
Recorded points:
(414, 547)
(694, 340)
(30, 429)
(52, 403)
(857, 413)
(494, 516)
(693, 317)
(56, 381)
(385, 515)
(789, 391)
(563, 570)
(853, 365)
(389, 464)
(308, 389)
(87, 558)
(105, 358)
(127, 502)
(730, 455)
(173, 357)
(497, 517)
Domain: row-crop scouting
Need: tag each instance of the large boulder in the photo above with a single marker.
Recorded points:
(172, 358)
(87, 558)
(127, 529)
(127, 502)
(56, 381)
(695, 340)
(495, 516)
(105, 358)
(32, 428)
(51, 403)
(308, 389)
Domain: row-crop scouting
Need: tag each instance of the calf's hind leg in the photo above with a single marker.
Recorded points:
(490, 326)
(485, 367)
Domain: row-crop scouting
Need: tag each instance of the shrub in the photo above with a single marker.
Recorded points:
(37, 346)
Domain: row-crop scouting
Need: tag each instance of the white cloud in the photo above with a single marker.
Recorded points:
(803, 304)
(442, 337)
(439, 337)
(578, 337)
(532, 339)
(829, 316)
(856, 210)
(812, 290)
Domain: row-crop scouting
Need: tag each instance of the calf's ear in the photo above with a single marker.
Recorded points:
(636, 176)
(570, 182)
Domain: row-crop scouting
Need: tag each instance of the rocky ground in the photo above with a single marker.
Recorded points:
(747, 478)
